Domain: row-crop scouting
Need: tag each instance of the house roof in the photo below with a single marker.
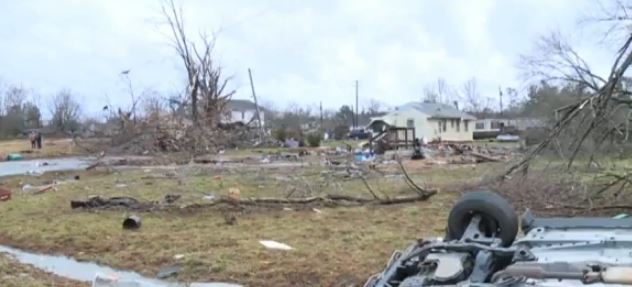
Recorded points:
(438, 110)
(240, 105)
(364, 120)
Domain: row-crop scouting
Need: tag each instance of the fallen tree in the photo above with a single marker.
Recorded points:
(330, 200)
(484, 158)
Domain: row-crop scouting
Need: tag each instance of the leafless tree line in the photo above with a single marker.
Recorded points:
(21, 111)
(601, 112)
(468, 96)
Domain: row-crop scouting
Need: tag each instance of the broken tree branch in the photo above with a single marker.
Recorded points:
(484, 157)
(421, 191)
(368, 187)
(332, 199)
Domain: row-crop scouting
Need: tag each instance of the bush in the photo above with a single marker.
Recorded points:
(280, 134)
(340, 132)
(314, 138)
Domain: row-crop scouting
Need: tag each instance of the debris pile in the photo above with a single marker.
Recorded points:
(169, 135)
(454, 153)
(124, 202)
(39, 189)
(5, 194)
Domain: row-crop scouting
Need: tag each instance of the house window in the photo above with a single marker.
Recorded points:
(466, 125)
(445, 125)
(480, 126)
(496, 125)
(452, 123)
(458, 125)
(439, 123)
(410, 123)
(243, 115)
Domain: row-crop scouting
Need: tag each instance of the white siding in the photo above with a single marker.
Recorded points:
(455, 129)
(244, 117)
(522, 124)
(428, 129)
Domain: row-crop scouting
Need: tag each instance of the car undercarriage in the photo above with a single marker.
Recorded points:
(481, 249)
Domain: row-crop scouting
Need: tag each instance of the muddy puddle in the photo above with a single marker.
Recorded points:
(87, 271)
(39, 166)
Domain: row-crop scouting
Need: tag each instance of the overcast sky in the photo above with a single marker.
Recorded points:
(300, 52)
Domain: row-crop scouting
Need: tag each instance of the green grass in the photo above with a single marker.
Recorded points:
(50, 148)
(339, 242)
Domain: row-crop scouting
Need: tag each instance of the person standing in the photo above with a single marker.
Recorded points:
(32, 138)
(38, 139)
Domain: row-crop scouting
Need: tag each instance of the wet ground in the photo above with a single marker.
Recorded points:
(67, 267)
(70, 268)
(39, 166)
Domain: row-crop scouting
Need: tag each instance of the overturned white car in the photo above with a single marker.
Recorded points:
(480, 250)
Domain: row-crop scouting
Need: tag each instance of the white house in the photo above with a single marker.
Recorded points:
(491, 127)
(242, 111)
(496, 124)
(430, 121)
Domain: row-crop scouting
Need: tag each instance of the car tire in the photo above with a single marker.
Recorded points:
(498, 218)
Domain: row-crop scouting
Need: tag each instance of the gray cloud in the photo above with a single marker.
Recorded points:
(300, 51)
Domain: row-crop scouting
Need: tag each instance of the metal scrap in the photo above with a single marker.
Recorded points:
(132, 222)
(5, 194)
(112, 202)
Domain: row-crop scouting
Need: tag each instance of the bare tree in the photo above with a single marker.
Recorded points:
(135, 100)
(439, 92)
(32, 116)
(555, 60)
(444, 92)
(66, 111)
(205, 82)
(2, 92)
(472, 95)
(430, 94)
(153, 105)
(15, 97)
(374, 107)
(601, 98)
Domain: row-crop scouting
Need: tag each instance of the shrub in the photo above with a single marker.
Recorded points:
(279, 134)
(340, 132)
(314, 138)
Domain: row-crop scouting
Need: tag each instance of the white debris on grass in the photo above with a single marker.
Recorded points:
(271, 244)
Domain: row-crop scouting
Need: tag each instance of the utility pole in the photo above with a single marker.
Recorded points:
(356, 106)
(254, 95)
(131, 92)
(321, 115)
(500, 93)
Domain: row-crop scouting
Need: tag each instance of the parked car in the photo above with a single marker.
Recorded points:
(359, 134)
(480, 250)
